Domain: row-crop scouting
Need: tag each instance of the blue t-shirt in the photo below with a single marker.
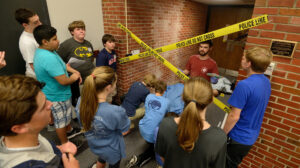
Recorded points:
(251, 96)
(155, 110)
(174, 94)
(105, 138)
(47, 65)
(137, 94)
(104, 58)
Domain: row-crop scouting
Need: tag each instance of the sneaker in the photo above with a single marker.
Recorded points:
(132, 162)
(74, 132)
(51, 128)
(145, 162)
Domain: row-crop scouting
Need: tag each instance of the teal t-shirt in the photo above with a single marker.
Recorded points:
(47, 65)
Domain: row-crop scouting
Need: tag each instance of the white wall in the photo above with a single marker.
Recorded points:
(63, 12)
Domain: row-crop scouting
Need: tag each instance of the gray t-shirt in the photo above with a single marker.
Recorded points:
(209, 150)
(78, 55)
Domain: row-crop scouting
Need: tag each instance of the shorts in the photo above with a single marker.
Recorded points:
(62, 113)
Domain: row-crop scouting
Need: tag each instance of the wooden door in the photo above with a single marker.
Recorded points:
(228, 51)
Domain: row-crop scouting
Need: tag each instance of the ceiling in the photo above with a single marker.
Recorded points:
(226, 2)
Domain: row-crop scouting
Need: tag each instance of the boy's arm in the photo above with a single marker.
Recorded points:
(232, 119)
(72, 70)
(64, 80)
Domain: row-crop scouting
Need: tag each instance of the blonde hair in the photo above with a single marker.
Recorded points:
(76, 24)
(197, 94)
(149, 80)
(94, 84)
(260, 58)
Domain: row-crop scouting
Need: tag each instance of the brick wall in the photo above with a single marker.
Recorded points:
(279, 142)
(157, 23)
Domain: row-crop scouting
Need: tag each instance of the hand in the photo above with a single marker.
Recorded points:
(2, 60)
(70, 162)
(75, 76)
(68, 147)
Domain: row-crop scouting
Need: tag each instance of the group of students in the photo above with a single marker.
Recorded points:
(182, 140)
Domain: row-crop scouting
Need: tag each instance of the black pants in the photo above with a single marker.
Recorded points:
(116, 165)
(147, 155)
(235, 153)
(75, 92)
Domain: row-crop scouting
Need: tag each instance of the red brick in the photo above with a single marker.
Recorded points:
(288, 68)
(284, 144)
(298, 4)
(253, 32)
(261, 146)
(291, 90)
(270, 11)
(276, 164)
(295, 20)
(279, 73)
(275, 86)
(267, 26)
(285, 156)
(284, 114)
(293, 142)
(266, 137)
(289, 11)
(291, 123)
(281, 3)
(273, 35)
(296, 62)
(289, 103)
(292, 76)
(275, 135)
(276, 106)
(279, 19)
(260, 3)
(288, 134)
(283, 81)
(273, 117)
(279, 125)
(298, 86)
(296, 55)
(281, 59)
(293, 37)
(288, 28)
(262, 161)
(296, 98)
(296, 131)
(295, 160)
(269, 127)
(290, 164)
(293, 111)
(258, 41)
(272, 99)
(280, 94)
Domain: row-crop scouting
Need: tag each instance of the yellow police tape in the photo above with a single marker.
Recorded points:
(207, 36)
(180, 74)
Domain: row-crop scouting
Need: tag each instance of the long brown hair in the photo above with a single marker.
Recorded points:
(197, 94)
(94, 83)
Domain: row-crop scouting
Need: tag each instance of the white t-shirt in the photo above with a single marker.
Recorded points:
(28, 45)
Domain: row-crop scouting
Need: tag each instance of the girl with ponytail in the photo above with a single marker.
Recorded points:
(102, 122)
(189, 140)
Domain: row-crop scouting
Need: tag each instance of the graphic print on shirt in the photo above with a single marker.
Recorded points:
(204, 70)
(83, 52)
(113, 60)
(154, 104)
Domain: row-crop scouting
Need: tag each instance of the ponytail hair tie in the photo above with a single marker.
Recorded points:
(194, 101)
(93, 76)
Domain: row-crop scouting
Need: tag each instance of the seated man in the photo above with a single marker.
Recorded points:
(24, 112)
